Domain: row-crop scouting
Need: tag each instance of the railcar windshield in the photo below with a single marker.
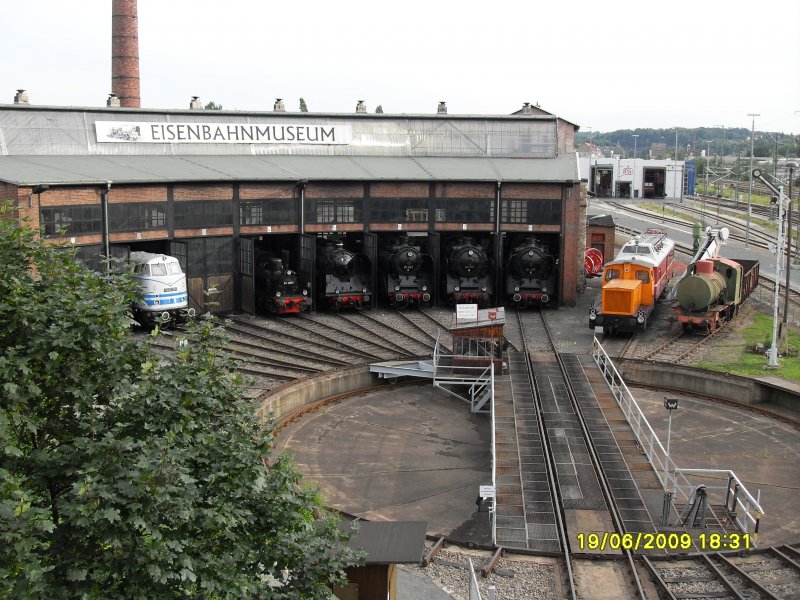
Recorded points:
(174, 268)
(612, 274)
(141, 269)
(158, 269)
(643, 276)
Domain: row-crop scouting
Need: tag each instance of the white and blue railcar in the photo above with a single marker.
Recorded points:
(164, 299)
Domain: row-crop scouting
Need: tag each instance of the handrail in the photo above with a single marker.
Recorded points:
(493, 509)
(670, 476)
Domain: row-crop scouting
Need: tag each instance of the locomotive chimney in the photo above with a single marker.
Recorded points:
(125, 53)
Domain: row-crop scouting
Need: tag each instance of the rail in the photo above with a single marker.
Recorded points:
(741, 505)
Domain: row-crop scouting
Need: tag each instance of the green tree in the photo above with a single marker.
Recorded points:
(303, 107)
(213, 106)
(379, 109)
(131, 474)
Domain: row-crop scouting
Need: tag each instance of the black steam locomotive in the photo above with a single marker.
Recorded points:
(343, 276)
(277, 287)
(405, 272)
(469, 276)
(530, 276)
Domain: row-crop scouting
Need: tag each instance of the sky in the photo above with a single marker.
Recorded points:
(619, 64)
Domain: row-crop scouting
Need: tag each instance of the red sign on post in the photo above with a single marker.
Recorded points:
(492, 315)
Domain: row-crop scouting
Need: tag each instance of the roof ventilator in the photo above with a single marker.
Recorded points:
(442, 110)
(113, 101)
(361, 107)
(21, 97)
(279, 106)
(195, 104)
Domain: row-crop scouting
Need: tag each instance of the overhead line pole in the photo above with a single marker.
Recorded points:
(750, 190)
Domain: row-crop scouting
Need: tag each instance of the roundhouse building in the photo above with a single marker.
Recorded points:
(216, 188)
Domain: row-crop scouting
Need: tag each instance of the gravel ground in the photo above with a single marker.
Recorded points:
(514, 579)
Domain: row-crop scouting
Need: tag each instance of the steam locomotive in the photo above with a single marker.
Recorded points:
(343, 276)
(405, 272)
(277, 287)
(164, 297)
(530, 275)
(713, 292)
(469, 276)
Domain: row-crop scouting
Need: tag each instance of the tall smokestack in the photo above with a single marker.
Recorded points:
(125, 53)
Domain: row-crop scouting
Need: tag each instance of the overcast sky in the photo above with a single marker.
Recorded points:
(619, 64)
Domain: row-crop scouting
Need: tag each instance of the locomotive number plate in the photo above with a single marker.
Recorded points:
(172, 289)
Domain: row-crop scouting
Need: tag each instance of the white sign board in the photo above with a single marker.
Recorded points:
(486, 491)
(466, 312)
(221, 133)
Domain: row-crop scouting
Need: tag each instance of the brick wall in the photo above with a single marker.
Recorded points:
(203, 192)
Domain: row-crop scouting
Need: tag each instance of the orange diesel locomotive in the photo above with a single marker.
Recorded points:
(633, 282)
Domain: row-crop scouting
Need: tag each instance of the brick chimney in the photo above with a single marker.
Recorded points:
(125, 53)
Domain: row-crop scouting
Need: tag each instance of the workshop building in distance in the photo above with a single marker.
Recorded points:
(213, 187)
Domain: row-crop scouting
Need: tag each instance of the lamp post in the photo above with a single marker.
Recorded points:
(670, 404)
(633, 176)
(750, 190)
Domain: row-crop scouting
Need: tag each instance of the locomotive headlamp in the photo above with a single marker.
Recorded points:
(424, 288)
(592, 313)
(305, 292)
(363, 290)
(456, 288)
(471, 252)
(397, 288)
(336, 291)
(640, 317)
(516, 288)
(277, 294)
(483, 288)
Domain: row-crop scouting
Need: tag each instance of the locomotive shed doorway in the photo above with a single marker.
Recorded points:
(361, 280)
(255, 255)
(479, 289)
(387, 278)
(547, 273)
(602, 181)
(654, 183)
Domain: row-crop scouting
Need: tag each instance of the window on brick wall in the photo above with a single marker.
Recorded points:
(268, 212)
(398, 210)
(334, 211)
(196, 214)
(465, 210)
(137, 216)
(74, 220)
(540, 212)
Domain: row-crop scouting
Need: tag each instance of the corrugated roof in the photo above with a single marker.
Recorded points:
(389, 542)
(75, 170)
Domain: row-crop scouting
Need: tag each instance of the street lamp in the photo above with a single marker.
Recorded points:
(670, 404)
(633, 177)
(750, 190)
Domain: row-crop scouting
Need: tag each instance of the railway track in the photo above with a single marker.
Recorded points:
(575, 442)
(773, 573)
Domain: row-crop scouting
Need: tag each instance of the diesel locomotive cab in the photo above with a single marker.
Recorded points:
(164, 299)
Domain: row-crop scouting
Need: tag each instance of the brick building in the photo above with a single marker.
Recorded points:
(212, 187)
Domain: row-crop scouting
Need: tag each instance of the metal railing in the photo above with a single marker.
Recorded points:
(741, 505)
(479, 379)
